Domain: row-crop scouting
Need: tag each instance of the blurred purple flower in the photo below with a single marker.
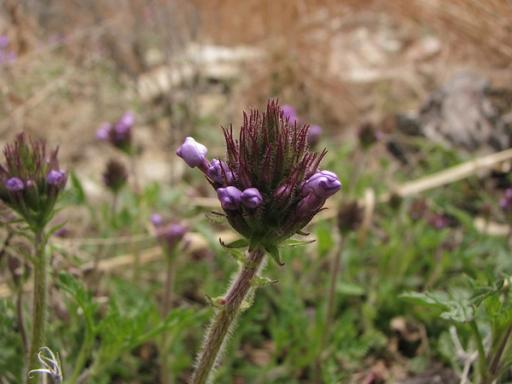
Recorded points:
(56, 178)
(156, 219)
(289, 113)
(314, 134)
(103, 132)
(168, 234)
(14, 184)
(4, 41)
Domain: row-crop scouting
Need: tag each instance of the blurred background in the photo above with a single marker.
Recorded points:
(187, 66)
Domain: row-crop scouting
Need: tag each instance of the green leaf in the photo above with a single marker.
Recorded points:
(297, 243)
(349, 289)
(240, 243)
(274, 253)
(455, 309)
(77, 190)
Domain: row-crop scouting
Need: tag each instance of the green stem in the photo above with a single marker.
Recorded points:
(224, 318)
(40, 295)
(335, 270)
(482, 361)
(84, 352)
(165, 375)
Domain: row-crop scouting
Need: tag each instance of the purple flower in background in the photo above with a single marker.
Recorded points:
(169, 234)
(218, 171)
(127, 121)
(14, 184)
(118, 134)
(251, 198)
(289, 113)
(156, 219)
(103, 132)
(322, 183)
(193, 153)
(314, 134)
(230, 197)
(506, 200)
(4, 41)
(56, 178)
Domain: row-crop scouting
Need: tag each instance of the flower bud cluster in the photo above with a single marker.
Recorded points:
(118, 134)
(270, 186)
(31, 180)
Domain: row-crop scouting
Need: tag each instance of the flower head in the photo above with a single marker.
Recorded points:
(31, 180)
(193, 153)
(274, 187)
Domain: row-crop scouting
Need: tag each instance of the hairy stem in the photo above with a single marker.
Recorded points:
(225, 316)
(39, 305)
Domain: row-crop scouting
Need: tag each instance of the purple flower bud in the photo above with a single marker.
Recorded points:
(56, 178)
(230, 197)
(192, 152)
(103, 132)
(216, 171)
(322, 183)
(251, 198)
(14, 184)
(156, 219)
(314, 133)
